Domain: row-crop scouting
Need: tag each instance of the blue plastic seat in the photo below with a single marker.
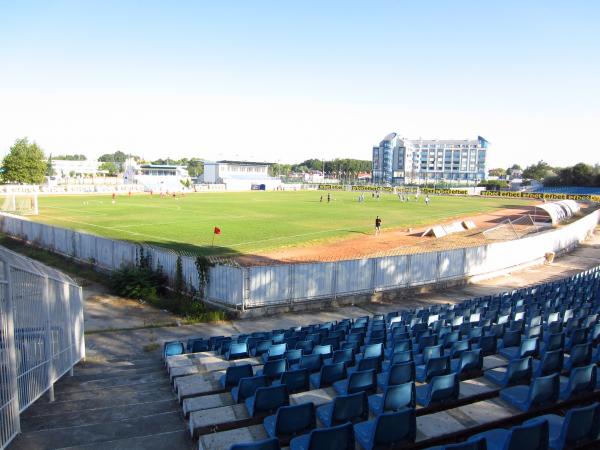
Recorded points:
(578, 427)
(543, 391)
(370, 351)
(487, 344)
(425, 341)
(324, 350)
(344, 408)
(510, 339)
(578, 336)
(265, 444)
(551, 362)
(237, 351)
(469, 361)
(441, 389)
(528, 347)
(346, 356)
(581, 355)
(306, 346)
(551, 342)
(533, 436)
(273, 369)
(247, 386)
(328, 374)
(233, 375)
(311, 362)
(340, 437)
(267, 400)
(518, 371)
(366, 364)
(459, 347)
(402, 345)
(291, 421)
(582, 379)
(394, 398)
(275, 351)
(398, 374)
(433, 368)
(357, 382)
(261, 347)
(296, 380)
(397, 358)
(293, 356)
(450, 338)
(173, 348)
(435, 351)
(387, 430)
(197, 345)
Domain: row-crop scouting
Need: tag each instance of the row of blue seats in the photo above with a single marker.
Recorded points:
(510, 307)
(543, 387)
(578, 427)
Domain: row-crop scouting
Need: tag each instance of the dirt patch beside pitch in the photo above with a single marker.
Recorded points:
(389, 242)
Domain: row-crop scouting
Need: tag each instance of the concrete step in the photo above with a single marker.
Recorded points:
(99, 433)
(77, 394)
(100, 368)
(174, 440)
(96, 382)
(98, 416)
(43, 407)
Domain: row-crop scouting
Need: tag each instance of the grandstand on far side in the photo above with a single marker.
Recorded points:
(240, 175)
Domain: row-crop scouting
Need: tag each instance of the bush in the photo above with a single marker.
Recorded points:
(149, 285)
(138, 282)
(493, 185)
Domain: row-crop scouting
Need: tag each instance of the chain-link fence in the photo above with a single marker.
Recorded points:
(41, 334)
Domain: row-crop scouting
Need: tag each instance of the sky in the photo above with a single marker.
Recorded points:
(284, 81)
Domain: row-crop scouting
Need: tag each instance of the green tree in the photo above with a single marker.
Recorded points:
(25, 163)
(110, 167)
(538, 171)
(498, 172)
(195, 167)
(49, 169)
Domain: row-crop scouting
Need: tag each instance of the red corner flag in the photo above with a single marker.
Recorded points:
(216, 231)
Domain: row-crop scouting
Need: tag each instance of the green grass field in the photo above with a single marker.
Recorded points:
(250, 221)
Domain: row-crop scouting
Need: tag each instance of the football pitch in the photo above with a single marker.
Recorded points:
(250, 222)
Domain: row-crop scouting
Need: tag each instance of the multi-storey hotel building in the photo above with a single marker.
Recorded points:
(397, 160)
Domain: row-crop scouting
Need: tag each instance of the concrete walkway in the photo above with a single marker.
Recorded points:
(120, 398)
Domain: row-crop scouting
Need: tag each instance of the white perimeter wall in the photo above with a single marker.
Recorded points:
(285, 284)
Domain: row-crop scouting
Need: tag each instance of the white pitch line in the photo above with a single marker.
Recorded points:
(124, 231)
(75, 210)
(205, 242)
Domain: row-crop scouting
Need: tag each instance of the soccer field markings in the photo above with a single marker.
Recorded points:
(135, 233)
(76, 210)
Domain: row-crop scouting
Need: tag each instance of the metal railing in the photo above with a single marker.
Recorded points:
(41, 334)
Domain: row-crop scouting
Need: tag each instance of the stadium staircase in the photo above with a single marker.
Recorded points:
(116, 404)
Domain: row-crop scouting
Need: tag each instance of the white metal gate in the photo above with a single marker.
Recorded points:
(41, 334)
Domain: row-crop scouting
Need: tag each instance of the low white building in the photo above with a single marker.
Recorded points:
(157, 177)
(65, 168)
(240, 175)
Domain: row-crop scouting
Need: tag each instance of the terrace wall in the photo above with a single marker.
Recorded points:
(245, 288)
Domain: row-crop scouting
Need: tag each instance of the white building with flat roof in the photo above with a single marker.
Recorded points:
(66, 168)
(240, 175)
(157, 177)
(397, 160)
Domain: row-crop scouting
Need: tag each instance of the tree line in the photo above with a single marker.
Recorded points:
(344, 167)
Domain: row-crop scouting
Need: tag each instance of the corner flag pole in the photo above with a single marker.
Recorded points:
(216, 230)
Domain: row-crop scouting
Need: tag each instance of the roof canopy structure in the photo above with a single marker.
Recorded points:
(557, 211)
